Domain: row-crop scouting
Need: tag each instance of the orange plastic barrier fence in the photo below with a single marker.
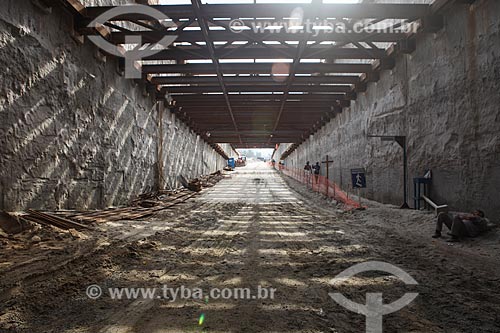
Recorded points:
(320, 184)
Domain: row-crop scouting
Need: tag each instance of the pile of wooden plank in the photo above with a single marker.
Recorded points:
(145, 205)
(151, 199)
(132, 212)
(53, 220)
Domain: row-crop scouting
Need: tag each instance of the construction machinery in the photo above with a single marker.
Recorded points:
(241, 161)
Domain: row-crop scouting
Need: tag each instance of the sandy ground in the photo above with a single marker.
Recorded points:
(252, 230)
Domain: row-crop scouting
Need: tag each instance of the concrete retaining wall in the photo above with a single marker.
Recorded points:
(445, 98)
(187, 154)
(74, 133)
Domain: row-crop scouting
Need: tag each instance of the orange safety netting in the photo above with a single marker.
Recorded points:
(320, 184)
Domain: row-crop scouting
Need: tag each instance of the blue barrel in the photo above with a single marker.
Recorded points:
(231, 163)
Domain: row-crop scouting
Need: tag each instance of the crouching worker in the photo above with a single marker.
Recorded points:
(462, 225)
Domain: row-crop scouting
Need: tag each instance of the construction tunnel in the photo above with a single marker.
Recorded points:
(249, 166)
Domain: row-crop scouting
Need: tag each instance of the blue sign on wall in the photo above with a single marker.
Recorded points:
(358, 178)
(231, 163)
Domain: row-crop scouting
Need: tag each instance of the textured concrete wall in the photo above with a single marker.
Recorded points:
(187, 154)
(278, 152)
(445, 98)
(229, 150)
(74, 133)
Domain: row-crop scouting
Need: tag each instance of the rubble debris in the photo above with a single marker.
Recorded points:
(36, 239)
(76, 234)
(212, 179)
(12, 224)
(195, 185)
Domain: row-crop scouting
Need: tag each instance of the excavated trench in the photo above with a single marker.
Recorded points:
(255, 231)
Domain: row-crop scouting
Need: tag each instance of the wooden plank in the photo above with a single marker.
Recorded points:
(259, 89)
(130, 212)
(255, 97)
(101, 214)
(275, 52)
(254, 80)
(281, 10)
(56, 220)
(255, 68)
(191, 36)
(246, 108)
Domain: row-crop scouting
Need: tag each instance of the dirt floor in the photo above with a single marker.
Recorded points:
(254, 229)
